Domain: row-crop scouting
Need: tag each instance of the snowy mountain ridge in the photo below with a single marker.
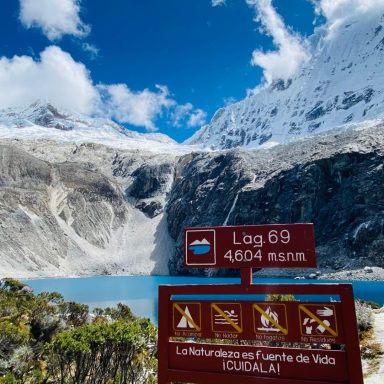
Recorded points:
(89, 209)
(342, 83)
(44, 121)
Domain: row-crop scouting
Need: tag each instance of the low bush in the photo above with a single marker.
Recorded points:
(364, 316)
(44, 339)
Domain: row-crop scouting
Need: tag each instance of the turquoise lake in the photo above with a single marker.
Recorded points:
(140, 292)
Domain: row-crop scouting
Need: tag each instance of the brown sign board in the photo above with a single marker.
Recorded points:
(264, 321)
(311, 324)
(251, 246)
(269, 362)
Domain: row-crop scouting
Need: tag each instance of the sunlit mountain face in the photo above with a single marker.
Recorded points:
(342, 84)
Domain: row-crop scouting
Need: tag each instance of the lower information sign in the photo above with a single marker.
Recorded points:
(283, 363)
(211, 334)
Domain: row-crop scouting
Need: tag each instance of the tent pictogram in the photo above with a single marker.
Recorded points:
(318, 320)
(270, 318)
(187, 316)
(226, 317)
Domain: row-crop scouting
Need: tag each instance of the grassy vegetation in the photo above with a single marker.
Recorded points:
(370, 350)
(44, 339)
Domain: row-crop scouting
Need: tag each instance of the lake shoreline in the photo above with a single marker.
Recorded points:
(358, 274)
(109, 290)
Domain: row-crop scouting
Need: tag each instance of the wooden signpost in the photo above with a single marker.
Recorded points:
(185, 320)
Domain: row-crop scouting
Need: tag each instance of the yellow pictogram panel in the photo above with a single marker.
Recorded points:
(226, 317)
(190, 319)
(271, 317)
(323, 323)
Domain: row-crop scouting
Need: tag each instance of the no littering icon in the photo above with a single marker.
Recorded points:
(318, 320)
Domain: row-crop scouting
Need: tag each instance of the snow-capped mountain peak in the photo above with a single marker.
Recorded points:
(42, 120)
(342, 83)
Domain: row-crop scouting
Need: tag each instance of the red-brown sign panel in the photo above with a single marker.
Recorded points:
(282, 363)
(263, 321)
(256, 246)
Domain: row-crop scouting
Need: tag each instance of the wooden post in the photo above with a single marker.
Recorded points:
(246, 276)
(352, 344)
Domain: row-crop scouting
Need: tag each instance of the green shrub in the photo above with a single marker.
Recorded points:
(280, 297)
(9, 378)
(363, 315)
(44, 339)
(96, 353)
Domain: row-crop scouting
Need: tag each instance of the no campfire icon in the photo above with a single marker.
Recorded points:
(270, 318)
(200, 247)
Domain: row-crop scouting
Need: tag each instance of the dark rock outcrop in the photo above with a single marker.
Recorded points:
(334, 181)
(149, 180)
(91, 209)
(151, 209)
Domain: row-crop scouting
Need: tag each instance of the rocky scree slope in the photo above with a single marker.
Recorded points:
(76, 209)
(343, 82)
(335, 181)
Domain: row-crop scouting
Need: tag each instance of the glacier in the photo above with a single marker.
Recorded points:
(342, 84)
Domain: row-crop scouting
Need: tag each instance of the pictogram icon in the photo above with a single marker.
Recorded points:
(318, 320)
(270, 318)
(200, 247)
(187, 316)
(226, 317)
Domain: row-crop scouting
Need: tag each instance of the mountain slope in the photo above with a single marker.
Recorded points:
(45, 121)
(87, 209)
(335, 181)
(72, 209)
(342, 83)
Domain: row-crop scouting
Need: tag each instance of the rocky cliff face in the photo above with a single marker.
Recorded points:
(81, 209)
(342, 83)
(334, 181)
(72, 210)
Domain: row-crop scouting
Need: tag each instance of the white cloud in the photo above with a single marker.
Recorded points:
(291, 48)
(218, 3)
(55, 77)
(338, 11)
(256, 90)
(136, 108)
(91, 49)
(187, 115)
(197, 118)
(55, 18)
(179, 114)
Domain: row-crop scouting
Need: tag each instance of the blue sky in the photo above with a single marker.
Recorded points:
(151, 65)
